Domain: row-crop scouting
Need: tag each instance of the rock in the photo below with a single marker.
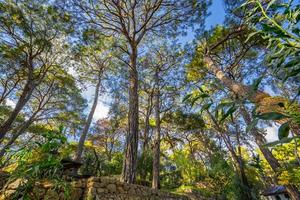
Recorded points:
(63, 196)
(120, 189)
(108, 180)
(111, 188)
(94, 179)
(119, 183)
(51, 195)
(38, 192)
(104, 180)
(76, 193)
(15, 184)
(79, 184)
(126, 186)
(92, 189)
(47, 184)
(96, 185)
(101, 190)
(131, 191)
(7, 194)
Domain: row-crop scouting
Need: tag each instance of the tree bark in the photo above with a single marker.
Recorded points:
(147, 123)
(238, 160)
(235, 87)
(145, 145)
(24, 98)
(88, 122)
(156, 150)
(257, 97)
(130, 160)
(240, 167)
(17, 134)
(265, 102)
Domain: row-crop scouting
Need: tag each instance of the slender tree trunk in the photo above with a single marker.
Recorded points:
(20, 130)
(238, 160)
(262, 99)
(256, 97)
(24, 98)
(130, 160)
(146, 133)
(241, 168)
(146, 140)
(147, 124)
(7, 91)
(88, 122)
(17, 134)
(273, 162)
(236, 87)
(156, 150)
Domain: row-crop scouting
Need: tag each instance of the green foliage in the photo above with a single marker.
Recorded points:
(35, 22)
(98, 164)
(287, 154)
(190, 168)
(283, 131)
(271, 116)
(145, 167)
(228, 113)
(185, 121)
(40, 160)
(171, 177)
(278, 23)
(192, 98)
(256, 82)
(196, 133)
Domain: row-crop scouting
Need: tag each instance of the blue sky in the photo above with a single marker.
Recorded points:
(217, 14)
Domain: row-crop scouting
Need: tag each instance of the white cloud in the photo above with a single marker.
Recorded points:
(101, 111)
(272, 133)
(9, 102)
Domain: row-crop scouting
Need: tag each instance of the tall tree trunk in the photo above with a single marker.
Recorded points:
(145, 145)
(24, 98)
(146, 133)
(17, 134)
(7, 91)
(156, 150)
(88, 122)
(257, 97)
(238, 160)
(265, 103)
(241, 167)
(234, 86)
(273, 162)
(20, 130)
(147, 123)
(130, 160)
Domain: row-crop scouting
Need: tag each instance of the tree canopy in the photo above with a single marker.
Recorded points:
(207, 111)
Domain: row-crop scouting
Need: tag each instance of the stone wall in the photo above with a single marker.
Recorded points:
(94, 188)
